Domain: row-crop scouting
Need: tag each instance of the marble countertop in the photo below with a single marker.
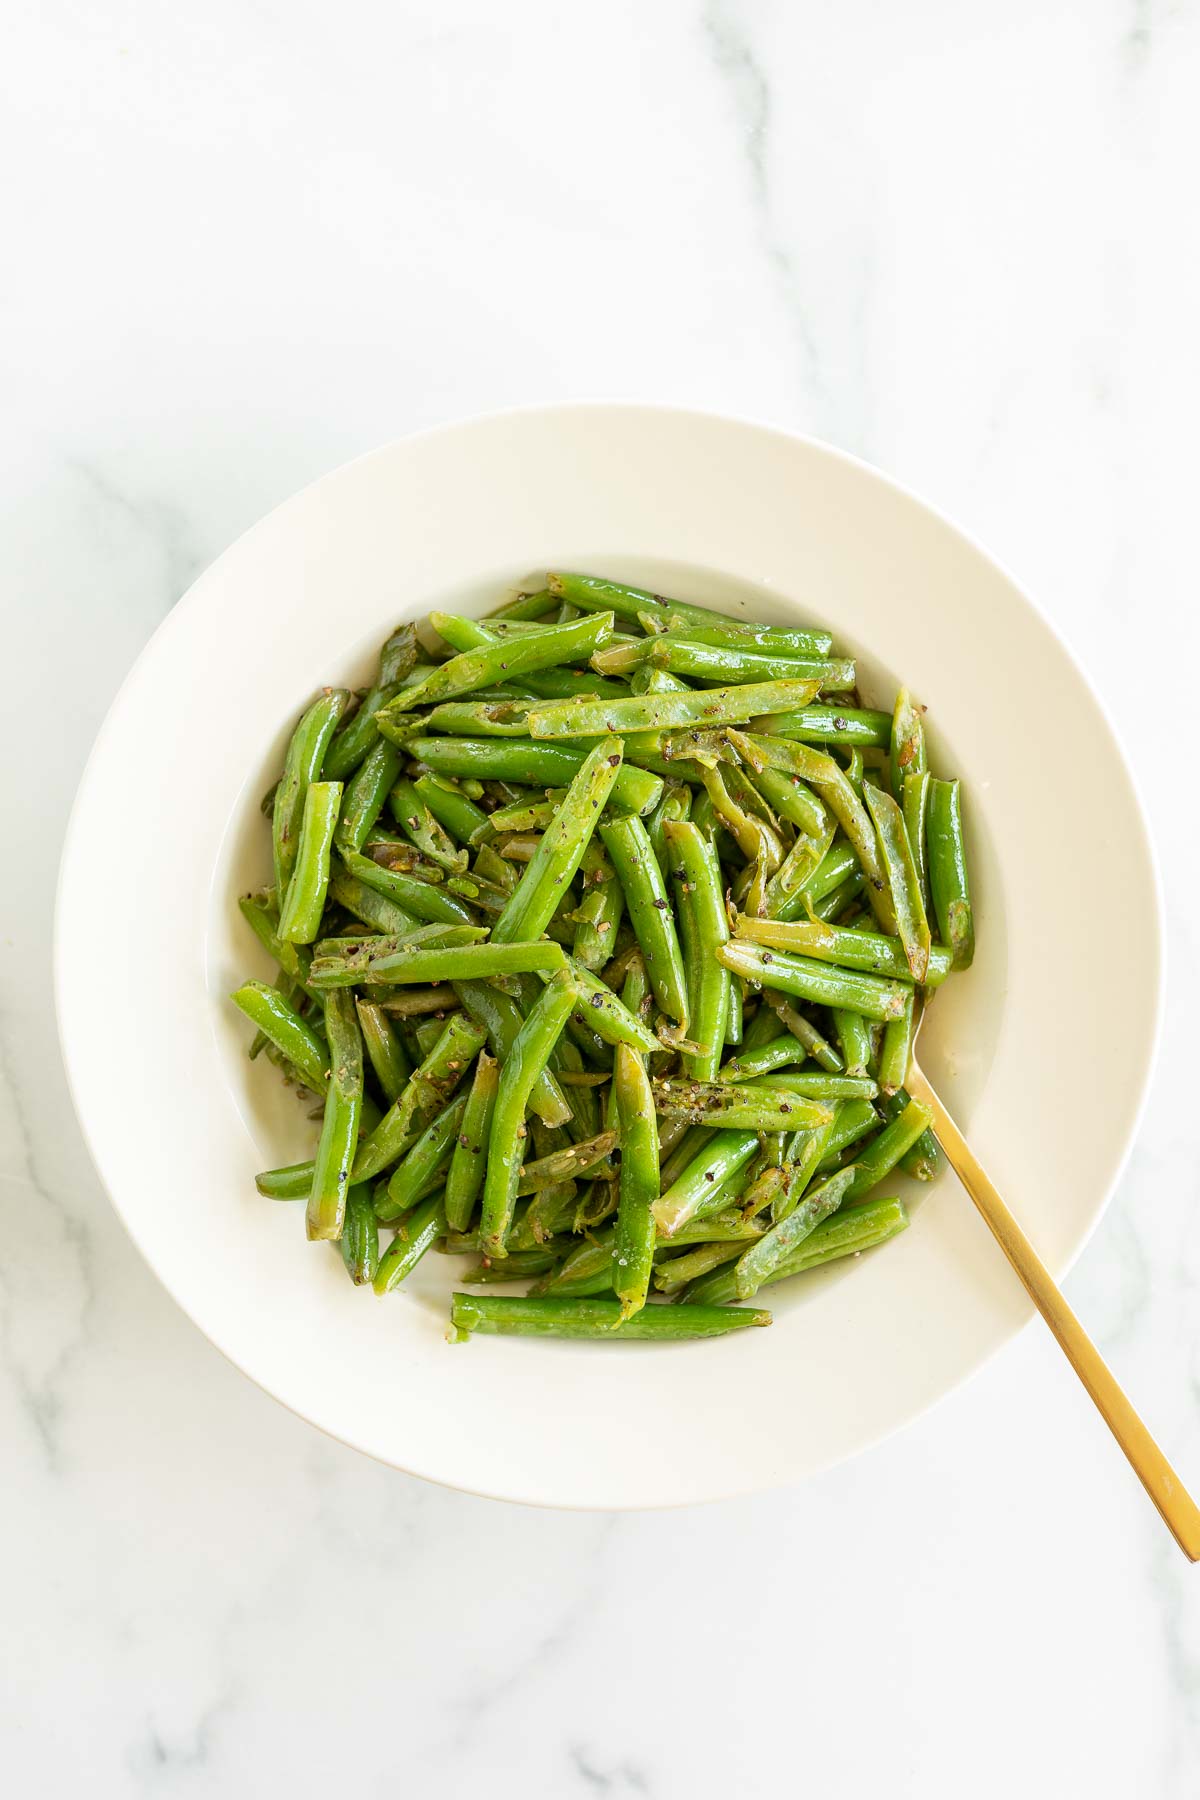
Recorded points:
(245, 243)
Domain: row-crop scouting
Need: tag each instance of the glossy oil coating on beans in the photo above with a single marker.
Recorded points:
(602, 927)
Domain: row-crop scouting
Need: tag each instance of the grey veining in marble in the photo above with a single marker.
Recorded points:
(244, 243)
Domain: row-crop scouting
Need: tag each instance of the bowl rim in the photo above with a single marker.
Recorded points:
(181, 611)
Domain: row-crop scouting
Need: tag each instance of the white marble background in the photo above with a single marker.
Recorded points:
(240, 242)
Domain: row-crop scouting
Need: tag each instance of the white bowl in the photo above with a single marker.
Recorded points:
(1030, 1053)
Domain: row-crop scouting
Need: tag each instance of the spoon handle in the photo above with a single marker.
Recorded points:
(1178, 1509)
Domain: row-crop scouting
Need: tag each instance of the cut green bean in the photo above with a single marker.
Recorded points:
(830, 725)
(302, 765)
(560, 850)
(884, 1152)
(667, 712)
(339, 1128)
(464, 1180)
(904, 884)
(384, 1050)
(509, 656)
(360, 1236)
(948, 871)
(501, 1018)
(867, 951)
(537, 765)
(749, 1106)
(697, 871)
(812, 980)
(530, 1051)
(416, 1236)
(549, 1316)
(763, 1259)
(696, 1191)
(425, 1165)
(633, 1248)
(300, 918)
(423, 900)
(267, 1009)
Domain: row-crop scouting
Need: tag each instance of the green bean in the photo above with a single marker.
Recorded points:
(422, 899)
(302, 765)
(829, 724)
(360, 1236)
(884, 1152)
(374, 909)
(384, 1050)
(633, 1250)
(540, 765)
(752, 637)
(501, 1018)
(915, 806)
(750, 1106)
(764, 1027)
(550, 1212)
(289, 1183)
(509, 656)
(525, 606)
(729, 1226)
(896, 1050)
(923, 1161)
(948, 872)
(678, 1271)
(572, 1159)
(598, 918)
(698, 871)
(538, 893)
(692, 1141)
(530, 1052)
(847, 1233)
(727, 661)
(304, 903)
(854, 1035)
(409, 1003)
(816, 1085)
(366, 793)
(417, 1234)
(458, 960)
(339, 1128)
(868, 951)
(604, 1013)
(904, 884)
(477, 718)
(761, 1059)
(855, 1118)
(465, 1178)
(552, 1317)
(792, 799)
(812, 980)
(425, 1164)
(547, 684)
(842, 904)
(420, 826)
(696, 1191)
(666, 712)
(765, 1257)
(907, 748)
(450, 806)
(267, 1009)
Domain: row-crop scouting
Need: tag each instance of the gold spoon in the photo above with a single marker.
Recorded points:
(1179, 1511)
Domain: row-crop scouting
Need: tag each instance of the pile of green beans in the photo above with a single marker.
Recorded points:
(602, 929)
